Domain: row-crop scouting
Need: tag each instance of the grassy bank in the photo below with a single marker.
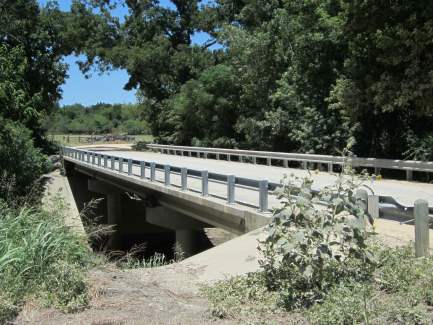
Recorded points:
(40, 259)
(399, 292)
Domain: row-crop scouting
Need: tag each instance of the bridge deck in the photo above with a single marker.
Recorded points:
(403, 191)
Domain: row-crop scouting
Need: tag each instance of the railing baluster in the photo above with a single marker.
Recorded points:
(184, 179)
(231, 179)
(120, 164)
(99, 160)
(105, 161)
(93, 158)
(129, 166)
(152, 171)
(142, 169)
(263, 195)
(204, 183)
(113, 162)
(166, 175)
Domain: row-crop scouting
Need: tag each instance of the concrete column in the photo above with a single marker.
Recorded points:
(189, 240)
(114, 213)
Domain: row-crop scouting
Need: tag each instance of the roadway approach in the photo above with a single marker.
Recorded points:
(405, 192)
(139, 207)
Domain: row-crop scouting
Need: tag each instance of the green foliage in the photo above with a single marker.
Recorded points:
(396, 294)
(241, 296)
(42, 258)
(31, 70)
(97, 119)
(306, 76)
(316, 240)
(20, 161)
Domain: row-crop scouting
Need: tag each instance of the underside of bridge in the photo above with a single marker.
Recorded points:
(137, 216)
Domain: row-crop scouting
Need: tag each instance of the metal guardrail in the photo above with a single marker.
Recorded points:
(406, 165)
(376, 205)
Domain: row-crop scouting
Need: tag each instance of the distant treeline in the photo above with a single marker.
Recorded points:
(97, 119)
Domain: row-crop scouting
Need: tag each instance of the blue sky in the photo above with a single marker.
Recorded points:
(107, 88)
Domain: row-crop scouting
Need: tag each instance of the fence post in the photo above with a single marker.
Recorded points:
(422, 240)
(263, 195)
(204, 183)
(152, 171)
(167, 175)
(231, 179)
(142, 169)
(129, 166)
(183, 179)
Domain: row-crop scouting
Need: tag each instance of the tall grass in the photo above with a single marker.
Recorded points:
(40, 257)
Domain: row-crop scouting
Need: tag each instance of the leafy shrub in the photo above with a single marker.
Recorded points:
(141, 146)
(241, 296)
(315, 240)
(19, 159)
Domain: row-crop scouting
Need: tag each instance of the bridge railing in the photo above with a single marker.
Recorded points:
(409, 166)
(376, 205)
(148, 169)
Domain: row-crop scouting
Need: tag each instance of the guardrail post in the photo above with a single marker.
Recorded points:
(142, 169)
(183, 179)
(422, 240)
(254, 160)
(263, 195)
(409, 175)
(304, 165)
(269, 161)
(373, 206)
(285, 163)
(129, 166)
(120, 164)
(204, 183)
(113, 161)
(228, 157)
(152, 171)
(231, 179)
(362, 201)
(88, 156)
(167, 175)
(189, 153)
(105, 161)
(217, 156)
(205, 155)
(93, 158)
(330, 167)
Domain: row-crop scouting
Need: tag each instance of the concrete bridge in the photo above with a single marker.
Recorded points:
(173, 197)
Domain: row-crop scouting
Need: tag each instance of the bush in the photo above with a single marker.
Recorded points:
(315, 240)
(19, 160)
(42, 258)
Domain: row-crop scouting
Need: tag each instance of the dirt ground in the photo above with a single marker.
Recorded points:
(164, 295)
